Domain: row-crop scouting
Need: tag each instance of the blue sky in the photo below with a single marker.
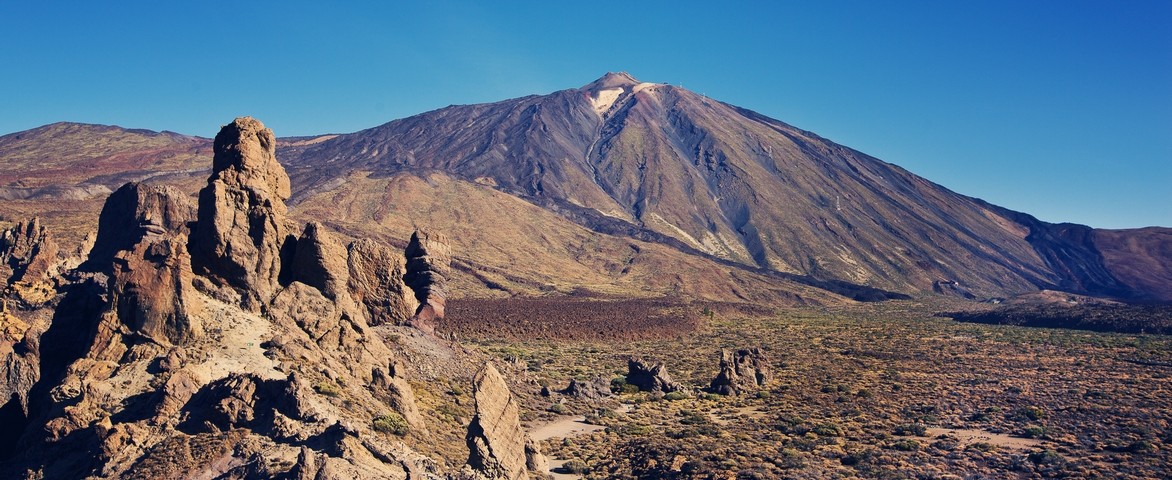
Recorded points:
(1062, 109)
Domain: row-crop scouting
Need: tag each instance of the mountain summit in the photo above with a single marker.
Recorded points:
(661, 162)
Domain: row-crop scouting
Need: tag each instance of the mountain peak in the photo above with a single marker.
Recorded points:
(612, 80)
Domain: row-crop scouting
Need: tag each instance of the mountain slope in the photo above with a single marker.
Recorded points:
(727, 182)
(623, 158)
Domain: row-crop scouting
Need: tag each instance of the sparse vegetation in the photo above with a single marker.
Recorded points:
(327, 388)
(391, 423)
(862, 390)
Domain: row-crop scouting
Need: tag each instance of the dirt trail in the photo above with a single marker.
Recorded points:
(974, 436)
(565, 427)
(568, 426)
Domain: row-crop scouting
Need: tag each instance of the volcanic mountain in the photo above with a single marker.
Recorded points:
(628, 187)
(658, 162)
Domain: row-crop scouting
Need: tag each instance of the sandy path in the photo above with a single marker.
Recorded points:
(565, 427)
(568, 426)
(974, 436)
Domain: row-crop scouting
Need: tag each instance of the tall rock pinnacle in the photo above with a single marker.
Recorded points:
(237, 239)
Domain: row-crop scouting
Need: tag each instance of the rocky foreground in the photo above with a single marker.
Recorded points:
(217, 339)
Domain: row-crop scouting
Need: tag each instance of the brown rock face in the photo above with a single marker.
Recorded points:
(429, 258)
(376, 282)
(650, 378)
(397, 394)
(496, 442)
(29, 258)
(592, 389)
(740, 371)
(319, 261)
(238, 236)
(142, 234)
(134, 212)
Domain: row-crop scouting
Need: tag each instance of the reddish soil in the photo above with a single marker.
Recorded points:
(567, 318)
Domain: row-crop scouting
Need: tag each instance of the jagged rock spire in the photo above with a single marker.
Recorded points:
(237, 239)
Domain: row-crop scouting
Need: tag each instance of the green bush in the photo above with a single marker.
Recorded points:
(391, 423)
(828, 430)
(619, 385)
(917, 429)
(1029, 413)
(907, 445)
(327, 388)
(677, 395)
(1045, 457)
(575, 467)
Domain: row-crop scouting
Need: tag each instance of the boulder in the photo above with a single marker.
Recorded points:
(429, 258)
(498, 447)
(650, 378)
(240, 229)
(376, 282)
(593, 389)
(740, 371)
(336, 327)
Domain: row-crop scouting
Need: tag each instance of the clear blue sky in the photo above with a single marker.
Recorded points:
(1062, 109)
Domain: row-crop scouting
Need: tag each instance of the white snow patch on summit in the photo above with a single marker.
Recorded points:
(604, 99)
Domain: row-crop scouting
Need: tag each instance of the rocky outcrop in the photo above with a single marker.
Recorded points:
(320, 261)
(207, 342)
(496, 442)
(29, 259)
(376, 282)
(594, 389)
(650, 378)
(429, 258)
(334, 326)
(142, 244)
(740, 371)
(238, 237)
(398, 394)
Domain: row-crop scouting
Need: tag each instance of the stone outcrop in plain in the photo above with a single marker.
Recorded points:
(393, 390)
(650, 378)
(740, 371)
(497, 445)
(238, 237)
(593, 389)
(429, 258)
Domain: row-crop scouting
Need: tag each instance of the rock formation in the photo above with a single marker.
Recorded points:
(237, 239)
(429, 258)
(650, 378)
(398, 394)
(376, 282)
(207, 342)
(497, 445)
(593, 389)
(29, 258)
(319, 261)
(740, 371)
(142, 243)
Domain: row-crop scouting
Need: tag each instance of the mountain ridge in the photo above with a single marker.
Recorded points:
(719, 178)
(659, 163)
